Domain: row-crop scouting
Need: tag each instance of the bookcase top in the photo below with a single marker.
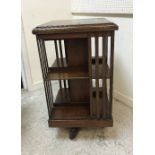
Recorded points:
(75, 26)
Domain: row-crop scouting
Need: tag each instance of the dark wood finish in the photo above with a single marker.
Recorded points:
(58, 60)
(78, 103)
(74, 112)
(92, 107)
(73, 36)
(67, 73)
(62, 60)
(79, 72)
(111, 72)
(63, 97)
(79, 46)
(104, 83)
(93, 123)
(80, 25)
(97, 77)
(75, 73)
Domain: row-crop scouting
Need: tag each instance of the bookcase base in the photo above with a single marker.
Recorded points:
(80, 123)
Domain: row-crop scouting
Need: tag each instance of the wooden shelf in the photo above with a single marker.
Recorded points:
(64, 108)
(74, 112)
(65, 73)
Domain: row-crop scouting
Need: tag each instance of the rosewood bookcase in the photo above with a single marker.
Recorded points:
(84, 52)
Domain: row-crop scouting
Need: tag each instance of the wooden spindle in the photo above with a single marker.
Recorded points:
(97, 77)
(62, 60)
(106, 47)
(44, 54)
(57, 59)
(90, 77)
(104, 84)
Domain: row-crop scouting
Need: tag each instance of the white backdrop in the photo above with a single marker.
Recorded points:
(102, 6)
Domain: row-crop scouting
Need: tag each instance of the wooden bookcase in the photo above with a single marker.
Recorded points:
(84, 72)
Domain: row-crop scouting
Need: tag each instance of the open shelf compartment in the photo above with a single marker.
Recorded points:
(81, 72)
(65, 108)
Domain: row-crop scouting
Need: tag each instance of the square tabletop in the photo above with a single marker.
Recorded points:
(75, 25)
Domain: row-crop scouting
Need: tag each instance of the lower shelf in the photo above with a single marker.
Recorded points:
(80, 123)
(74, 112)
(65, 109)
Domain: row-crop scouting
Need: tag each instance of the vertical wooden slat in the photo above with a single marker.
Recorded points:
(111, 73)
(44, 54)
(61, 54)
(44, 72)
(97, 77)
(57, 59)
(106, 47)
(90, 77)
(104, 84)
(56, 52)
(62, 61)
(66, 54)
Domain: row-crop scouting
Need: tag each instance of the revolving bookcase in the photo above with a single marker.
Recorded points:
(83, 69)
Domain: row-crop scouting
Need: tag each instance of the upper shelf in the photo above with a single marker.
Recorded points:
(75, 25)
(80, 72)
(66, 73)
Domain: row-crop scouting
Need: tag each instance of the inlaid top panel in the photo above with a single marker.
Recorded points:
(78, 25)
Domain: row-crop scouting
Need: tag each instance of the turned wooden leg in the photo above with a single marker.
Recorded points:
(73, 132)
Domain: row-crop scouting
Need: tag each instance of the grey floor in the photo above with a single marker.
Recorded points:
(38, 139)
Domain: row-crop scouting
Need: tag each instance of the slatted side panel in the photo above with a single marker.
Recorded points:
(101, 92)
(95, 90)
(59, 56)
(44, 67)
